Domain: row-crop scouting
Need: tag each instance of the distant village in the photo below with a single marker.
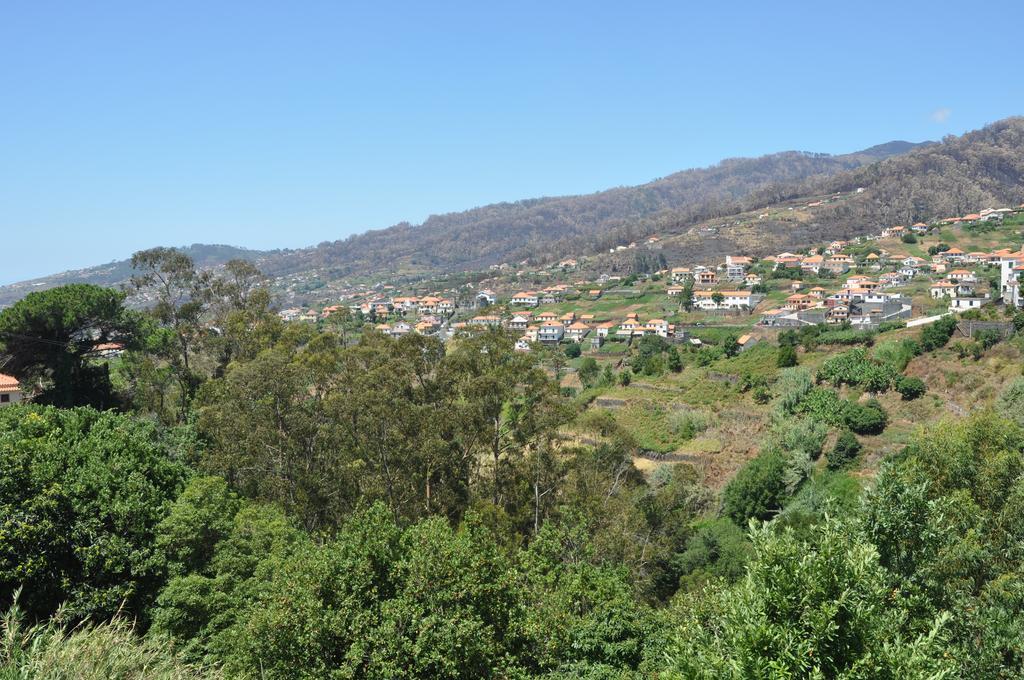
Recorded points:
(862, 293)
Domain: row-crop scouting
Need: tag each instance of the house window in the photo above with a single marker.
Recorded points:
(5, 398)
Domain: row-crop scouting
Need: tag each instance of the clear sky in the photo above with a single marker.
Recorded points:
(125, 125)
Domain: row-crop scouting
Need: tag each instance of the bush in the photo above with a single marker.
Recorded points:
(846, 449)
(786, 357)
(825, 405)
(688, 424)
(792, 386)
(866, 418)
(625, 377)
(911, 388)
(572, 350)
(909, 238)
(937, 334)
(757, 491)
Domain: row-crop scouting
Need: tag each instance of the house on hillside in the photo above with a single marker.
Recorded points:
(10, 390)
(485, 297)
(526, 299)
(746, 342)
(551, 333)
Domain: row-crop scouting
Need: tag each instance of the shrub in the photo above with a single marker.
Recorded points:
(825, 405)
(688, 424)
(911, 388)
(936, 335)
(792, 386)
(625, 377)
(757, 491)
(866, 418)
(572, 350)
(846, 449)
(909, 238)
(786, 357)
(1011, 402)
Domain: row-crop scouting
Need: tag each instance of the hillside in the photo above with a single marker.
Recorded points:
(116, 273)
(510, 231)
(753, 205)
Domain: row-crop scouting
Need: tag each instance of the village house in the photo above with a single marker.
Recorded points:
(445, 306)
(485, 298)
(817, 292)
(526, 299)
(680, 274)
(919, 228)
(913, 262)
(519, 322)
(838, 314)
(577, 331)
(485, 320)
(705, 278)
(799, 301)
(568, 318)
(656, 327)
(604, 329)
(962, 276)
(746, 341)
(942, 289)
(812, 263)
(752, 280)
(894, 232)
(673, 291)
(523, 344)
(963, 304)
(954, 255)
(891, 279)
(551, 333)
(531, 333)
(627, 327)
(10, 390)
(546, 317)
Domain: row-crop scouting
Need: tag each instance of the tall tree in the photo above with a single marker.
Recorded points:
(180, 295)
(50, 338)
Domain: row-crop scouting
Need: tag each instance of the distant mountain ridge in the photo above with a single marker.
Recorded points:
(119, 272)
(903, 182)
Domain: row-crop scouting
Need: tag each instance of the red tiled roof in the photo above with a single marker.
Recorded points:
(8, 383)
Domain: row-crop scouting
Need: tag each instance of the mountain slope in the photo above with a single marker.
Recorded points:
(119, 272)
(524, 229)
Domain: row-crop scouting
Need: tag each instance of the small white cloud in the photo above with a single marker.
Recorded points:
(941, 115)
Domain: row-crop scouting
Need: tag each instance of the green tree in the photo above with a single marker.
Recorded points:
(51, 338)
(757, 491)
(589, 371)
(820, 607)
(181, 296)
(81, 495)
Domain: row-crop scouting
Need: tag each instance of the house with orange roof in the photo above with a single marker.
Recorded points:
(746, 341)
(577, 331)
(680, 274)
(942, 289)
(10, 390)
(798, 301)
(812, 263)
(954, 254)
(568, 318)
(526, 298)
(705, 278)
(604, 329)
(546, 317)
(962, 276)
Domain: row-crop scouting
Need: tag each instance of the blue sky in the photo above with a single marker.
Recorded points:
(125, 125)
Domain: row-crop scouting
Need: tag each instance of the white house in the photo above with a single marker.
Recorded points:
(10, 390)
(485, 297)
(526, 298)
